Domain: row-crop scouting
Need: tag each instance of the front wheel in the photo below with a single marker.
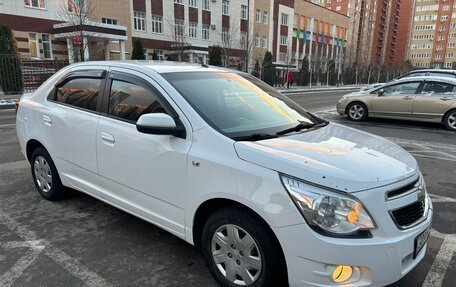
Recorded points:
(357, 112)
(240, 251)
(450, 120)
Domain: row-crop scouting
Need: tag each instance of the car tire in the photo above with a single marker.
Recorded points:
(450, 120)
(357, 111)
(231, 263)
(45, 176)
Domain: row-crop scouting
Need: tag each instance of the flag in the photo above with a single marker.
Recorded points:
(343, 43)
(298, 31)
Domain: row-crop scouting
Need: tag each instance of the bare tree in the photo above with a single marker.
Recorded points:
(230, 40)
(179, 35)
(77, 14)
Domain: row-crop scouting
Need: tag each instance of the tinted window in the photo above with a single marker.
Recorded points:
(80, 92)
(129, 101)
(238, 105)
(400, 89)
(446, 75)
(431, 88)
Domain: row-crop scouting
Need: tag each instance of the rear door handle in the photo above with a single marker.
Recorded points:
(446, 98)
(47, 120)
(407, 98)
(108, 138)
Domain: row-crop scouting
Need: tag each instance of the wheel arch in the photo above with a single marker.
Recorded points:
(208, 207)
(32, 144)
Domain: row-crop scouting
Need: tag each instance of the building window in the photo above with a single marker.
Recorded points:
(33, 45)
(140, 21)
(178, 1)
(157, 24)
(74, 6)
(265, 17)
(283, 40)
(258, 16)
(35, 3)
(244, 12)
(179, 28)
(206, 5)
(206, 31)
(337, 8)
(225, 7)
(160, 55)
(225, 36)
(282, 57)
(257, 40)
(243, 40)
(109, 21)
(192, 3)
(193, 30)
(284, 19)
(47, 46)
(264, 42)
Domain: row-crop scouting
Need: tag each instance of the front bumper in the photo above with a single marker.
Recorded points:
(379, 261)
(341, 106)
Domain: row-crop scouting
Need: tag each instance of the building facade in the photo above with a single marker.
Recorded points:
(433, 39)
(181, 30)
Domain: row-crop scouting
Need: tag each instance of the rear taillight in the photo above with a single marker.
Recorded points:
(17, 105)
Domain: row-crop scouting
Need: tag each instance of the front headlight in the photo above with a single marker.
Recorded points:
(336, 214)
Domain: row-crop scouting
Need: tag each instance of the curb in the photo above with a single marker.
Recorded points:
(295, 91)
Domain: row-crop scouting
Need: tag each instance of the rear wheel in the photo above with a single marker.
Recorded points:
(450, 120)
(240, 251)
(357, 111)
(45, 175)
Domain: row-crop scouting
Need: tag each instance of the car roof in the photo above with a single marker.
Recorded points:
(160, 67)
(445, 71)
(425, 78)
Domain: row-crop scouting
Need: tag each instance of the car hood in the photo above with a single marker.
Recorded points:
(333, 156)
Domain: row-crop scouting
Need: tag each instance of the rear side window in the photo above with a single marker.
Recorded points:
(417, 74)
(80, 92)
(431, 88)
(129, 101)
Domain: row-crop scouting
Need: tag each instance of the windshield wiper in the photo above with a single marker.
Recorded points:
(255, 137)
(300, 127)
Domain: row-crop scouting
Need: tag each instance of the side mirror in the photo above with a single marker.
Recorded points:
(381, 92)
(160, 124)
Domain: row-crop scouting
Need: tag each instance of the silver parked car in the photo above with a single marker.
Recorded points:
(446, 73)
(427, 99)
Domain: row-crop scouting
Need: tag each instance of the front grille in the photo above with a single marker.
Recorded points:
(404, 189)
(408, 215)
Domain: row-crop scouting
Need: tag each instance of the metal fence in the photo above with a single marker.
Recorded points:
(25, 75)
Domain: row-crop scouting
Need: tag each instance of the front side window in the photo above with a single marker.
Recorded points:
(80, 92)
(401, 89)
(238, 105)
(33, 45)
(129, 101)
(432, 88)
(445, 75)
(35, 3)
(47, 46)
(140, 21)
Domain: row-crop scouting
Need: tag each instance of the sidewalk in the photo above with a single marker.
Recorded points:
(304, 89)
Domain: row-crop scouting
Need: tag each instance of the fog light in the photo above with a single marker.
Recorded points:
(342, 273)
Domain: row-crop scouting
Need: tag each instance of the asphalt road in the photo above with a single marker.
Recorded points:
(82, 241)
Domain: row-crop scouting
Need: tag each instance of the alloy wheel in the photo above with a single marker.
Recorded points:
(356, 112)
(236, 255)
(452, 120)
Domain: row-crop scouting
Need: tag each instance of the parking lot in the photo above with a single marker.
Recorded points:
(84, 242)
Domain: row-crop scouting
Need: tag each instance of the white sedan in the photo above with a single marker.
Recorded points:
(271, 194)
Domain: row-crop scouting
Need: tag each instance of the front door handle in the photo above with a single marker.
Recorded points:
(446, 98)
(108, 138)
(47, 120)
(407, 98)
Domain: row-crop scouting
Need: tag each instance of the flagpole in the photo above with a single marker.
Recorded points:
(310, 50)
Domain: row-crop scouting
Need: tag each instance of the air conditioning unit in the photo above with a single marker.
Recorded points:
(213, 27)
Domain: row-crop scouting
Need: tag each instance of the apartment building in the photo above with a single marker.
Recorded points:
(433, 39)
(44, 29)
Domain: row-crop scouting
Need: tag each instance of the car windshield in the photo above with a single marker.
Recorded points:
(239, 105)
